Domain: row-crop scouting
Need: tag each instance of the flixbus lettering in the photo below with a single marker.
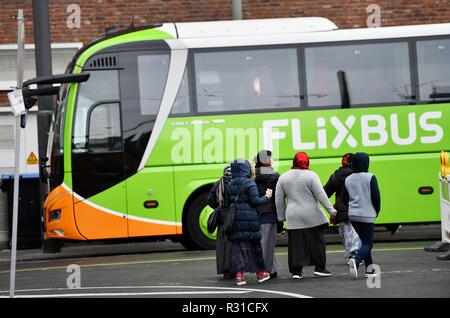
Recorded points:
(375, 130)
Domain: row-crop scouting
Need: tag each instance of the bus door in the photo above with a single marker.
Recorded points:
(98, 175)
(150, 190)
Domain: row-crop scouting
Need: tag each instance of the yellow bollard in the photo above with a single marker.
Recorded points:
(445, 165)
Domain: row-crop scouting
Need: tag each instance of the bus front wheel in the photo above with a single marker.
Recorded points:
(195, 234)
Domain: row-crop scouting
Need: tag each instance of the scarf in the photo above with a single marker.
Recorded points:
(301, 161)
(347, 160)
(223, 182)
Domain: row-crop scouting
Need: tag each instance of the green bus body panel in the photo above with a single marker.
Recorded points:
(400, 169)
(113, 198)
(207, 139)
(152, 184)
(397, 176)
(190, 178)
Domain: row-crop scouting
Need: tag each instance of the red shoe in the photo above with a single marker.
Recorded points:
(240, 279)
(262, 276)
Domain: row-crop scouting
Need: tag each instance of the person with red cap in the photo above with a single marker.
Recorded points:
(298, 196)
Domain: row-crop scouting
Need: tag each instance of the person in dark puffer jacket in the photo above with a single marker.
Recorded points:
(246, 253)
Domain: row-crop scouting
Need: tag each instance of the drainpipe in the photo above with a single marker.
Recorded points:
(237, 9)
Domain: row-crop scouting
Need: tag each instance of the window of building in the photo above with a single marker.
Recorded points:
(6, 137)
(62, 54)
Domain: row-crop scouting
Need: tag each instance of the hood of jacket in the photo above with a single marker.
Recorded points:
(360, 162)
(241, 168)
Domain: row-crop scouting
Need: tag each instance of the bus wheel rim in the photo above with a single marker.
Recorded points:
(203, 223)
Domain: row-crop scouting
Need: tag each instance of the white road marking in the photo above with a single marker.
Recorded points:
(210, 290)
(127, 294)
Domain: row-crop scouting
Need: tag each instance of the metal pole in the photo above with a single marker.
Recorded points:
(20, 71)
(237, 9)
(43, 51)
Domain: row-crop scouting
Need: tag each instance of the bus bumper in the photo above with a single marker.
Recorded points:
(60, 220)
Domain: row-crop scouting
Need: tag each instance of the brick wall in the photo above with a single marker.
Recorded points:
(96, 15)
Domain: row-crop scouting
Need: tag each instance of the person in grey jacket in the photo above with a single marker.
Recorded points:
(267, 178)
(298, 196)
(362, 197)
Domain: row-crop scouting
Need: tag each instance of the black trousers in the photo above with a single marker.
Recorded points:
(306, 247)
(365, 233)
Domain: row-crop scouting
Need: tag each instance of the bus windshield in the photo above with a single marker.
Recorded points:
(57, 146)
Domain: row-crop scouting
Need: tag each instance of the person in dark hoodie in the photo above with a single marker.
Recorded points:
(246, 252)
(335, 185)
(362, 197)
(267, 178)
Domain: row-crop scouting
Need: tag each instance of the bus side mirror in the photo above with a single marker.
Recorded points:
(57, 79)
(29, 94)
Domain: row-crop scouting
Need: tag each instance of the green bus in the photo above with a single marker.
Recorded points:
(135, 149)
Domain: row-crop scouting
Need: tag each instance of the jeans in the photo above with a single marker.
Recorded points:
(365, 233)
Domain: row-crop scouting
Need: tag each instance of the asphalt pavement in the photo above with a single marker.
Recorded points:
(165, 269)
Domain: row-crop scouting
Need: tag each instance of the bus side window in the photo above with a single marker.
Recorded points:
(101, 86)
(247, 80)
(433, 64)
(182, 101)
(376, 73)
(104, 133)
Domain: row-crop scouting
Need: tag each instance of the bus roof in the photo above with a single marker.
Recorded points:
(255, 34)
(230, 28)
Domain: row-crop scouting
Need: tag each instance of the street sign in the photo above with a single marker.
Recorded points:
(32, 159)
(17, 104)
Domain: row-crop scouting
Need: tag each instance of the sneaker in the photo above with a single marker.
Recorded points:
(262, 276)
(274, 275)
(322, 273)
(353, 268)
(240, 279)
(297, 276)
